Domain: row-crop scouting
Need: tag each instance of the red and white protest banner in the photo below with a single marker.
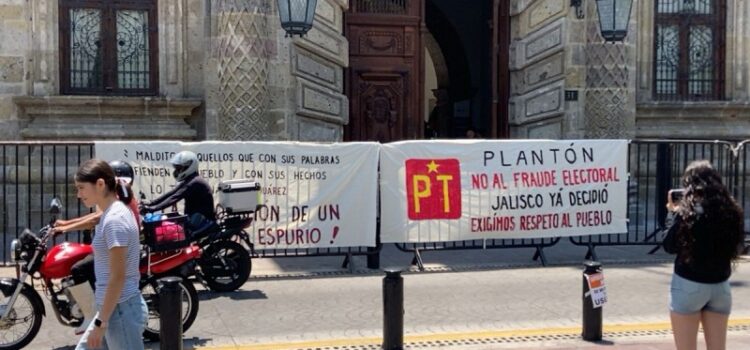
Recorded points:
(313, 195)
(434, 191)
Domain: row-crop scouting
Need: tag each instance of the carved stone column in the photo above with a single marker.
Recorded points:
(243, 69)
(610, 81)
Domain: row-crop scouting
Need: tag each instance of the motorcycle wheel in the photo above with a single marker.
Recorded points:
(225, 266)
(26, 315)
(150, 292)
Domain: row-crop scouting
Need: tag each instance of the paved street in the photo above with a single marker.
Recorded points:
(289, 303)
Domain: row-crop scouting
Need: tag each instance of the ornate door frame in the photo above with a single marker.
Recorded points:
(386, 70)
(386, 46)
(500, 127)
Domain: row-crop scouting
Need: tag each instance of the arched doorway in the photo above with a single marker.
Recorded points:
(399, 47)
(459, 35)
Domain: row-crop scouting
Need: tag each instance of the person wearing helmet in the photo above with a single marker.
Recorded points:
(190, 186)
(124, 175)
(123, 171)
(83, 270)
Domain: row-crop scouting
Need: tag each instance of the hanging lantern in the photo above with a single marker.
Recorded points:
(614, 16)
(297, 16)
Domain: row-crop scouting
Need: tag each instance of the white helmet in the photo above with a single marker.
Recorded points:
(185, 164)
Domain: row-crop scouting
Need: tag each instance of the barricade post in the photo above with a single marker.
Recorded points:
(592, 316)
(170, 313)
(393, 310)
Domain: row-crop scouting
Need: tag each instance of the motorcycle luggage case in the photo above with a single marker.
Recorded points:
(239, 196)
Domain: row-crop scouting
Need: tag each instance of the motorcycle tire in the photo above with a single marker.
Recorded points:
(225, 266)
(26, 296)
(189, 294)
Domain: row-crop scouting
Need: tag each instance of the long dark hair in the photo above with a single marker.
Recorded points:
(94, 169)
(708, 204)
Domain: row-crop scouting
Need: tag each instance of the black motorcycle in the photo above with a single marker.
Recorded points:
(225, 264)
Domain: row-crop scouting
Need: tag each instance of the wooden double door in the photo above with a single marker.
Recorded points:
(386, 69)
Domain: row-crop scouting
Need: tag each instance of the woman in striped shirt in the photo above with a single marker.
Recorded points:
(83, 270)
(121, 310)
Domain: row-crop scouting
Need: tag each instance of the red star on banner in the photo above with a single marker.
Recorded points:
(433, 188)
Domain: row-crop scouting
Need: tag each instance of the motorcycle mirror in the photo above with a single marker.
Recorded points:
(55, 206)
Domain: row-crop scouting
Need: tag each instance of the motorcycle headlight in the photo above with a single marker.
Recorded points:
(14, 246)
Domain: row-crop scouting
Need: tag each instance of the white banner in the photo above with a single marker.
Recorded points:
(313, 195)
(434, 191)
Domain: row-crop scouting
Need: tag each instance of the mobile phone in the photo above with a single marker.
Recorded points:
(677, 194)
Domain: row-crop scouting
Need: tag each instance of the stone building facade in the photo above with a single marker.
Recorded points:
(556, 50)
(226, 71)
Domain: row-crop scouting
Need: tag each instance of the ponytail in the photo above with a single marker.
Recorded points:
(124, 192)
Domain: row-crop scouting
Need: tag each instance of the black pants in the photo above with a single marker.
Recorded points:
(83, 271)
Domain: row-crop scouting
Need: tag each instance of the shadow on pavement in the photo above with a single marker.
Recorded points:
(602, 342)
(187, 343)
(564, 253)
(236, 295)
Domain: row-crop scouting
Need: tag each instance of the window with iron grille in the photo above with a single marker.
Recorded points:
(689, 50)
(108, 47)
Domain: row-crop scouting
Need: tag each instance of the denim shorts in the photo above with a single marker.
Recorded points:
(688, 297)
(126, 325)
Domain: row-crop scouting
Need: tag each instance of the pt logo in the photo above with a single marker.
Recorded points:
(433, 187)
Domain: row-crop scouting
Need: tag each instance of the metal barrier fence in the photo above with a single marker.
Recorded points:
(31, 174)
(538, 243)
(741, 184)
(655, 167)
(34, 172)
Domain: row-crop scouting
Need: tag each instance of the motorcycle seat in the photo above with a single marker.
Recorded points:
(203, 228)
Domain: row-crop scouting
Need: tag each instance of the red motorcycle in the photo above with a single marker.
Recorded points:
(21, 308)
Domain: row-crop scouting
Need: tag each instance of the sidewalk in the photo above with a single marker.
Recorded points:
(645, 336)
(465, 300)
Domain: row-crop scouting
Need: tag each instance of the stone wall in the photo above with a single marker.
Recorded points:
(727, 119)
(14, 46)
(270, 87)
(29, 32)
(539, 65)
(228, 60)
(609, 97)
(565, 81)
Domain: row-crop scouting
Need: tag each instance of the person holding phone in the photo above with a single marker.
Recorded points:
(676, 194)
(705, 231)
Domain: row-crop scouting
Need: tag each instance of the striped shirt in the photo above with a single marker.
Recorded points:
(117, 228)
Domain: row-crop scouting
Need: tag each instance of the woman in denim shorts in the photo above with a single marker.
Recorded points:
(705, 230)
(121, 310)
